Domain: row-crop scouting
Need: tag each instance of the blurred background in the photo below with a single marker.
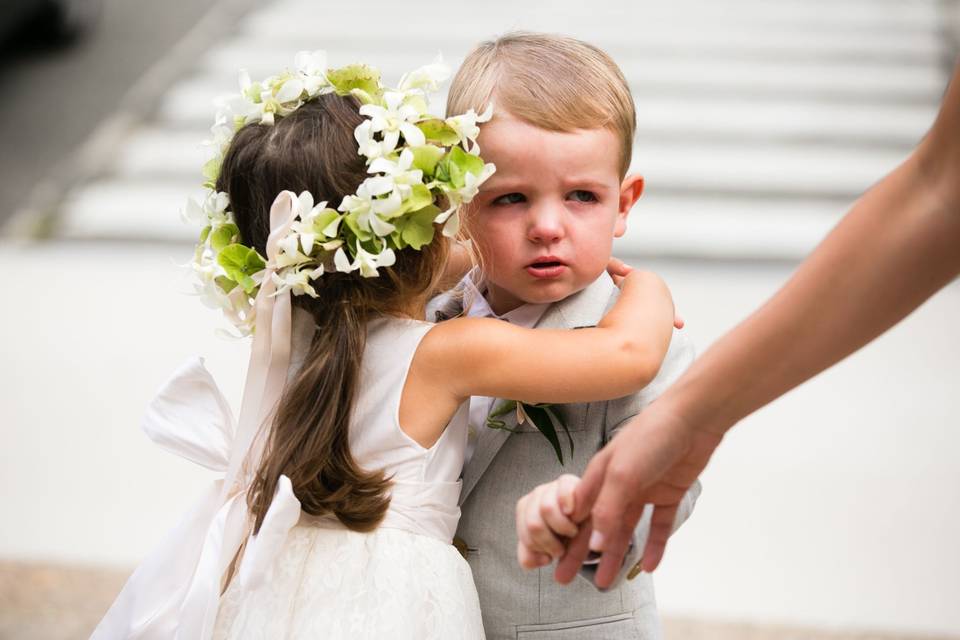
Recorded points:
(833, 513)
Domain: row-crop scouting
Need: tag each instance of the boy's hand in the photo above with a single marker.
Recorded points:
(618, 270)
(543, 522)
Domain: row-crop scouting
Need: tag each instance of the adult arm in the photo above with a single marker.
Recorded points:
(899, 244)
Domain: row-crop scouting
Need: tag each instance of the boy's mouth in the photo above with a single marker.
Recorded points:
(546, 267)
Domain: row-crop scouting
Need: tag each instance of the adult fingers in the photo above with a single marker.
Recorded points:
(577, 550)
(590, 484)
(661, 526)
(614, 543)
(615, 513)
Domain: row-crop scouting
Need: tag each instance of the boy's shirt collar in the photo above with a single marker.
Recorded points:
(526, 315)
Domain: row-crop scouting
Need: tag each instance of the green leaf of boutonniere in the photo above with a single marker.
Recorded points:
(541, 415)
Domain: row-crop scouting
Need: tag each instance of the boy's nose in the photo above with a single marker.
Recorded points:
(546, 225)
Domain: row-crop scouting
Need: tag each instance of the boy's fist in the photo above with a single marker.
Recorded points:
(543, 522)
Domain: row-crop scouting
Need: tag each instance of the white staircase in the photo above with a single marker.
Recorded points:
(759, 123)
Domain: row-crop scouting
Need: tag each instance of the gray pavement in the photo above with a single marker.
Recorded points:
(54, 97)
(43, 602)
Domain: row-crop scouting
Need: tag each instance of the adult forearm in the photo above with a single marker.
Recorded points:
(898, 245)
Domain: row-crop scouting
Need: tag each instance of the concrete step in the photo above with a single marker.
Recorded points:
(190, 103)
(726, 227)
(693, 164)
(679, 38)
(847, 15)
(64, 602)
(135, 210)
(654, 78)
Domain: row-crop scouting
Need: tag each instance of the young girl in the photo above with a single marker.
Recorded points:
(345, 466)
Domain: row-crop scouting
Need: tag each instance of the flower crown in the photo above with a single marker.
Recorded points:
(422, 169)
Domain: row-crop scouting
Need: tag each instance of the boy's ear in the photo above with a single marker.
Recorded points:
(630, 191)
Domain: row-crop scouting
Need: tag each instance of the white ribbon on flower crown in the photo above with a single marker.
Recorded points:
(175, 592)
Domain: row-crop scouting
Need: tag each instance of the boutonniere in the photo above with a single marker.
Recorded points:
(540, 414)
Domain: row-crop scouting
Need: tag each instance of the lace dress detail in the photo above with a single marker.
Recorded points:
(404, 580)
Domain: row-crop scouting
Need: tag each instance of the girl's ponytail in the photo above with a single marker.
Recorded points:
(309, 439)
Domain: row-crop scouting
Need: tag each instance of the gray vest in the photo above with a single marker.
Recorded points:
(520, 604)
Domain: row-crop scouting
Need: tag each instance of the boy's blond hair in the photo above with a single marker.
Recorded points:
(551, 81)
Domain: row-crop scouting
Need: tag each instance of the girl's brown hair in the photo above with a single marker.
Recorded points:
(313, 149)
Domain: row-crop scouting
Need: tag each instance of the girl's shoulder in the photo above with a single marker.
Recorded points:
(390, 336)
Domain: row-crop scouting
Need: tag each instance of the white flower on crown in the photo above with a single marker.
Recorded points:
(241, 312)
(312, 67)
(472, 183)
(427, 78)
(399, 176)
(289, 254)
(367, 263)
(280, 95)
(221, 133)
(466, 127)
(450, 218)
(367, 227)
(368, 209)
(207, 270)
(280, 98)
(212, 211)
(297, 281)
(397, 117)
(304, 228)
(367, 144)
(236, 305)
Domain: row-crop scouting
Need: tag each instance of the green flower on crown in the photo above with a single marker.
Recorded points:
(422, 169)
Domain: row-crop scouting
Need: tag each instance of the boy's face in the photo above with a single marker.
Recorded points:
(544, 223)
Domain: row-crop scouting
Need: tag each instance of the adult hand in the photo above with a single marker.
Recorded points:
(653, 460)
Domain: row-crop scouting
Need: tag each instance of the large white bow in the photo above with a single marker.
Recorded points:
(175, 592)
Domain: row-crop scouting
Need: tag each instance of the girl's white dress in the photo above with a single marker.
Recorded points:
(403, 580)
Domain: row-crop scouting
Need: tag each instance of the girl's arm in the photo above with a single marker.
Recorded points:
(622, 354)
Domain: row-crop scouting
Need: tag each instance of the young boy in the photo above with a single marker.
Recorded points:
(544, 225)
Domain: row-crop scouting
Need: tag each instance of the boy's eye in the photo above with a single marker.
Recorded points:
(509, 198)
(581, 195)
